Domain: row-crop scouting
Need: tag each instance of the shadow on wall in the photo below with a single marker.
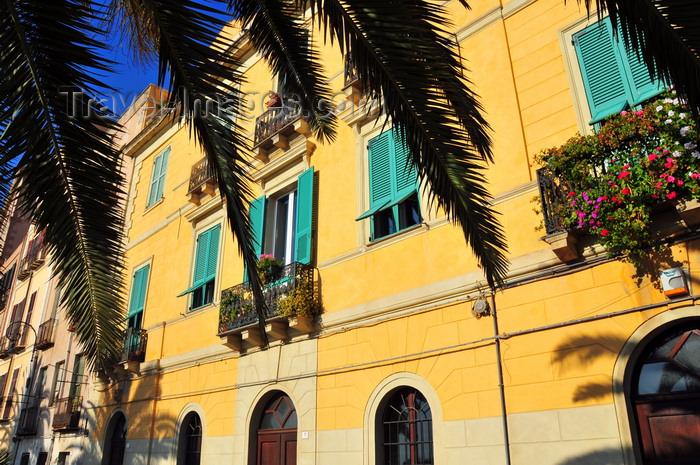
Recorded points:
(583, 351)
(598, 457)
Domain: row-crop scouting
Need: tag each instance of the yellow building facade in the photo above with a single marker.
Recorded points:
(413, 359)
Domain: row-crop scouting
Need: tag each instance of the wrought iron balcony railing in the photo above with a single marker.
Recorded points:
(134, 349)
(238, 306)
(45, 335)
(28, 421)
(350, 74)
(67, 413)
(275, 120)
(201, 172)
(553, 193)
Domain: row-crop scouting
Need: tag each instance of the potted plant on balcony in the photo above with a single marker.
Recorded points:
(300, 306)
(274, 100)
(269, 268)
(637, 162)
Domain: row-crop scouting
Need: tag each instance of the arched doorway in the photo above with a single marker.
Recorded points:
(666, 397)
(115, 440)
(277, 432)
(190, 443)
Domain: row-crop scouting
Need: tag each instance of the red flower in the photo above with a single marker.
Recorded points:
(671, 195)
(623, 175)
(604, 232)
(571, 194)
(615, 199)
(652, 156)
(654, 196)
(626, 191)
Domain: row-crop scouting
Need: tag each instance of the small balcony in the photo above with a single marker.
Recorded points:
(275, 126)
(134, 349)
(67, 413)
(28, 421)
(34, 258)
(202, 181)
(294, 286)
(45, 335)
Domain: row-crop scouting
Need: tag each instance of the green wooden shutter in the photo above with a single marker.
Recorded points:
(163, 169)
(212, 253)
(304, 219)
(602, 70)
(138, 292)
(200, 261)
(406, 176)
(257, 227)
(642, 86)
(381, 169)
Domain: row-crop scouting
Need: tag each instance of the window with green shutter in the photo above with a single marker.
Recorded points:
(160, 167)
(393, 186)
(282, 224)
(137, 300)
(205, 265)
(613, 76)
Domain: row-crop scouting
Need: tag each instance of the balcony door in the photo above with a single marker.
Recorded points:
(667, 399)
(277, 433)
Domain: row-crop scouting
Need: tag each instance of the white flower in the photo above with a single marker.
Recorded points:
(689, 145)
(681, 115)
(668, 100)
(671, 112)
(659, 108)
(668, 121)
(675, 101)
(696, 154)
(676, 154)
(684, 130)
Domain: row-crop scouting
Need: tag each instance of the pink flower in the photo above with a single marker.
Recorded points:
(654, 196)
(671, 179)
(679, 183)
(652, 156)
(671, 195)
(623, 112)
(639, 113)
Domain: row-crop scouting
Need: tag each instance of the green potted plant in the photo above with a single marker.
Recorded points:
(269, 268)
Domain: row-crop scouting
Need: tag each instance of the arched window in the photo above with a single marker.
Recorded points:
(191, 440)
(406, 429)
(666, 397)
(115, 440)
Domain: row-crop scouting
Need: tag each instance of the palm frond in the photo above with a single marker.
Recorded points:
(404, 54)
(667, 35)
(200, 69)
(279, 35)
(68, 176)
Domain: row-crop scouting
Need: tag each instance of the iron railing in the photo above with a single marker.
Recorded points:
(350, 74)
(28, 421)
(237, 307)
(134, 349)
(275, 119)
(67, 413)
(44, 337)
(553, 192)
(201, 172)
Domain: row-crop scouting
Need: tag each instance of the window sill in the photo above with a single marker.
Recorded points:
(149, 208)
(201, 309)
(399, 235)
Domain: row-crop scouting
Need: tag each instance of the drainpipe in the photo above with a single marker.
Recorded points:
(501, 387)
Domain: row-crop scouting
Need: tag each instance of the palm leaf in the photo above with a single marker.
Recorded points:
(68, 177)
(201, 68)
(278, 34)
(403, 53)
(666, 33)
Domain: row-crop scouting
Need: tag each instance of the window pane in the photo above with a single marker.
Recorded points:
(407, 429)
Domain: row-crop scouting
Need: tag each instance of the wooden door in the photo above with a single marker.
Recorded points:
(670, 430)
(277, 447)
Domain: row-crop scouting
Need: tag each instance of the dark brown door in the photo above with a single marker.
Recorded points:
(277, 447)
(670, 430)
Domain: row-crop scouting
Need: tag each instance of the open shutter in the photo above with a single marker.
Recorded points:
(405, 171)
(28, 319)
(381, 170)
(257, 227)
(602, 70)
(138, 293)
(212, 254)
(304, 219)
(153, 195)
(200, 261)
(642, 86)
(163, 169)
